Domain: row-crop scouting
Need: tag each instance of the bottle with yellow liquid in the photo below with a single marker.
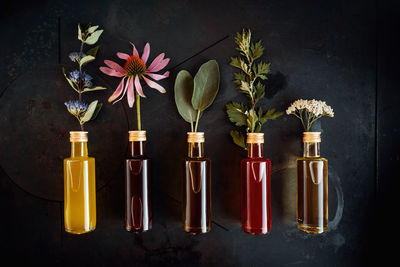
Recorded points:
(79, 187)
(312, 187)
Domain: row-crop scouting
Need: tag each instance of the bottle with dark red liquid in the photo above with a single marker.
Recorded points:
(196, 210)
(256, 187)
(138, 215)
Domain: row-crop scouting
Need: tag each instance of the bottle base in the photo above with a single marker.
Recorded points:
(312, 229)
(255, 231)
(196, 230)
(79, 232)
(137, 231)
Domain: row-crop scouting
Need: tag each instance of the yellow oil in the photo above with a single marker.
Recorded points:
(79, 191)
(312, 195)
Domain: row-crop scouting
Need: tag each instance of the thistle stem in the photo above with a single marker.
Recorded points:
(197, 120)
(138, 111)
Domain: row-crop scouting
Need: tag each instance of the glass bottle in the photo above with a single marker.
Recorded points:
(256, 187)
(138, 214)
(79, 187)
(312, 187)
(196, 211)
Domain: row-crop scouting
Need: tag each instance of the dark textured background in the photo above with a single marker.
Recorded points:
(343, 52)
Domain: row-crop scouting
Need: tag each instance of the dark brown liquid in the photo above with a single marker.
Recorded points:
(197, 195)
(138, 214)
(312, 195)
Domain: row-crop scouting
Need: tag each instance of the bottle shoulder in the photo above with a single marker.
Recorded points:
(137, 158)
(310, 159)
(187, 159)
(75, 159)
(245, 160)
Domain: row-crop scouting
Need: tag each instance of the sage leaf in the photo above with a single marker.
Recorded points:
(92, 29)
(183, 94)
(80, 37)
(86, 60)
(206, 85)
(96, 111)
(69, 80)
(95, 88)
(94, 37)
(93, 51)
(89, 112)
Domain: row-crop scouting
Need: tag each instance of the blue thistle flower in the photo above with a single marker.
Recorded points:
(74, 76)
(76, 107)
(74, 56)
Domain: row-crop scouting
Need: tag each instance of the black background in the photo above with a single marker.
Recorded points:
(343, 52)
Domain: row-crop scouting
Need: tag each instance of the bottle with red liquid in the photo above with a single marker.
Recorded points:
(138, 215)
(256, 187)
(196, 210)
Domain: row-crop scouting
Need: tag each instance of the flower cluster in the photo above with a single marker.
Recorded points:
(76, 56)
(309, 111)
(86, 78)
(75, 107)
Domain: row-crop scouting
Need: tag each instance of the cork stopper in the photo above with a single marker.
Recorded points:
(195, 137)
(255, 138)
(78, 136)
(137, 136)
(311, 137)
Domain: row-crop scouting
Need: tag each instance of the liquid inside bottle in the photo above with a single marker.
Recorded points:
(79, 187)
(312, 189)
(256, 188)
(138, 213)
(196, 211)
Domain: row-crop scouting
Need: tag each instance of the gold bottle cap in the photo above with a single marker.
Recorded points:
(137, 136)
(255, 138)
(195, 137)
(311, 137)
(78, 136)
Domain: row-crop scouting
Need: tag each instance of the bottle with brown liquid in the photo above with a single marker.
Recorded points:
(256, 187)
(196, 210)
(79, 187)
(312, 187)
(138, 214)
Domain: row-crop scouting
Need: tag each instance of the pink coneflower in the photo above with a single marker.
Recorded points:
(135, 69)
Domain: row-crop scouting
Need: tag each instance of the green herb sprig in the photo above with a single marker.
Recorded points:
(252, 71)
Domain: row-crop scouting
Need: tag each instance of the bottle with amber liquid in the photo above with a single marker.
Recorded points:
(79, 187)
(312, 187)
(196, 210)
(138, 214)
(256, 187)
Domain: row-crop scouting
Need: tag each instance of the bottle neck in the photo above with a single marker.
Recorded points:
(196, 150)
(311, 149)
(137, 148)
(79, 149)
(255, 150)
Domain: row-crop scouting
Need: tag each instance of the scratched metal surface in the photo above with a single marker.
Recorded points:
(317, 49)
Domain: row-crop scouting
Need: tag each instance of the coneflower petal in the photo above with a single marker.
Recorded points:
(156, 61)
(158, 77)
(160, 65)
(111, 72)
(117, 92)
(114, 66)
(130, 93)
(135, 52)
(122, 55)
(138, 87)
(123, 94)
(154, 85)
(146, 53)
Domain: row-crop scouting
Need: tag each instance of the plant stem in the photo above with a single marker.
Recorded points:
(80, 74)
(197, 120)
(191, 125)
(138, 111)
